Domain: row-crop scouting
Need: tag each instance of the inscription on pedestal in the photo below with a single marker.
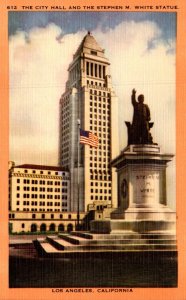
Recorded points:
(146, 188)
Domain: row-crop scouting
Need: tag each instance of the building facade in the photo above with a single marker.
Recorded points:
(36, 188)
(26, 221)
(89, 97)
(39, 199)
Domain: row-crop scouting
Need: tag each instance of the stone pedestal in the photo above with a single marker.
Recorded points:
(142, 201)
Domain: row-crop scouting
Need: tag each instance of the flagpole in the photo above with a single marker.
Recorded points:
(78, 125)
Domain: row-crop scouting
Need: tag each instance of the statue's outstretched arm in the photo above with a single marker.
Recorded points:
(133, 97)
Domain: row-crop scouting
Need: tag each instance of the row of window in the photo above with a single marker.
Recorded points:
(100, 129)
(96, 191)
(40, 209)
(92, 153)
(41, 196)
(103, 147)
(100, 111)
(42, 172)
(41, 203)
(96, 197)
(100, 191)
(27, 188)
(96, 84)
(100, 177)
(12, 216)
(95, 165)
(101, 117)
(100, 159)
(100, 93)
(35, 189)
(43, 182)
(100, 105)
(102, 172)
(99, 100)
(105, 184)
(99, 123)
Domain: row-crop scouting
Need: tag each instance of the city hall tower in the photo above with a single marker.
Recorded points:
(89, 102)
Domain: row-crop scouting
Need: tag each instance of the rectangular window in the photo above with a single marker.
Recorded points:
(91, 69)
(93, 52)
(87, 68)
(103, 71)
(96, 70)
(100, 71)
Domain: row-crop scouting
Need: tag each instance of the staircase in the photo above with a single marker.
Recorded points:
(85, 243)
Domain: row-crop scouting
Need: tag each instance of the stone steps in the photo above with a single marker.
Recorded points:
(82, 234)
(76, 240)
(84, 242)
(126, 235)
(48, 248)
(58, 243)
(59, 248)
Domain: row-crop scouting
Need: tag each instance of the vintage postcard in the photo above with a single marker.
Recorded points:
(92, 158)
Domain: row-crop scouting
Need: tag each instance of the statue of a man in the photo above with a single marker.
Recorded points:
(140, 124)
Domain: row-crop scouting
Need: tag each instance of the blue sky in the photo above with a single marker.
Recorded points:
(71, 22)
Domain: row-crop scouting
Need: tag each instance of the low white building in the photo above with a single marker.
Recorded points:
(38, 188)
(39, 199)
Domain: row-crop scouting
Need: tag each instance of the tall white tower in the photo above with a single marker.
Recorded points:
(89, 97)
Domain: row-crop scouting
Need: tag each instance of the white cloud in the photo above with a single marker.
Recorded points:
(139, 59)
(38, 72)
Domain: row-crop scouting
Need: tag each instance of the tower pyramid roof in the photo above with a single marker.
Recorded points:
(88, 42)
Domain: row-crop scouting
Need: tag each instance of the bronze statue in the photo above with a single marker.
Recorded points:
(139, 131)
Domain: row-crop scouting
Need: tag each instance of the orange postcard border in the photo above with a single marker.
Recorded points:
(178, 293)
